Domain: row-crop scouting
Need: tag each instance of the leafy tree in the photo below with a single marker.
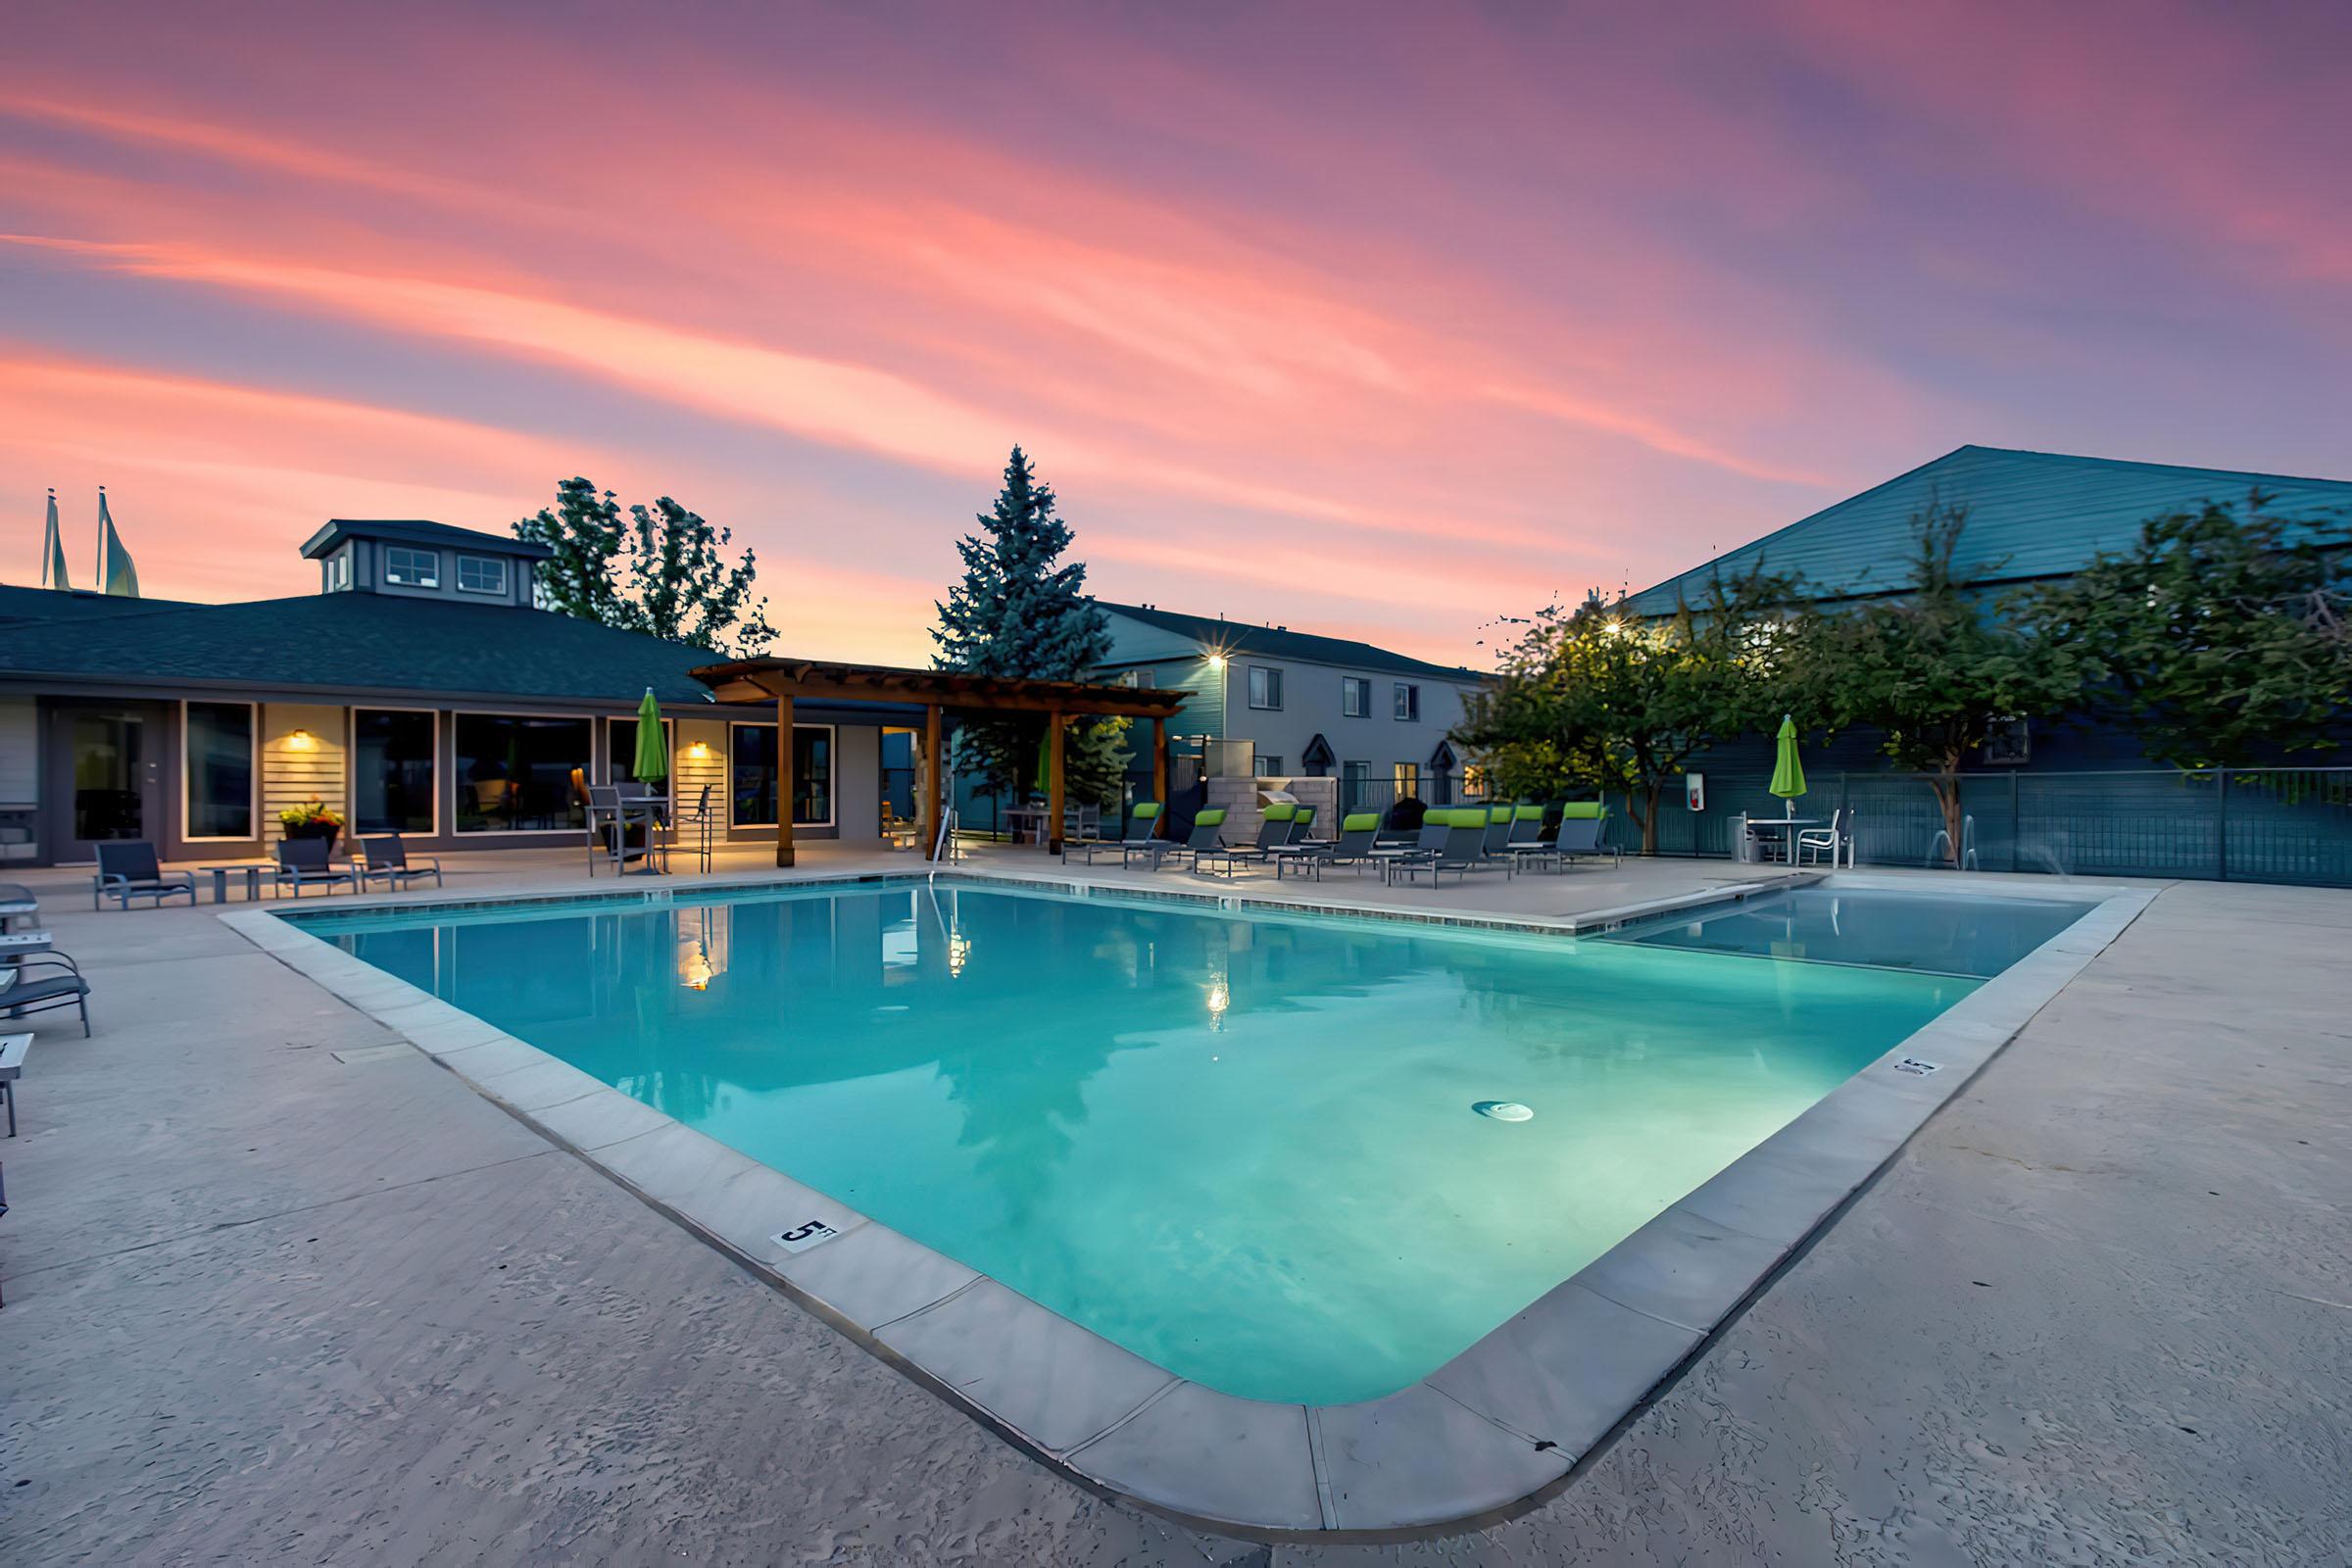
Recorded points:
(1023, 612)
(659, 571)
(2221, 638)
(1600, 699)
(1933, 667)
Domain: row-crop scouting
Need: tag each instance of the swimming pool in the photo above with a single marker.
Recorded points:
(1243, 1145)
(1882, 929)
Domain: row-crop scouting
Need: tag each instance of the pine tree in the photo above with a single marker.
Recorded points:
(1020, 613)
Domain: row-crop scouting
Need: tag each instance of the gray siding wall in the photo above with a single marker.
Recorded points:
(1311, 707)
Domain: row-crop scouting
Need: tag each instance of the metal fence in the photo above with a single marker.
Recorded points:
(2267, 825)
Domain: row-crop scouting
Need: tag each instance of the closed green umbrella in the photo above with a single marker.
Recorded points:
(653, 756)
(1789, 770)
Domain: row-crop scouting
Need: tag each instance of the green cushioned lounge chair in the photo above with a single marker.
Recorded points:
(1360, 833)
(1207, 835)
(1143, 821)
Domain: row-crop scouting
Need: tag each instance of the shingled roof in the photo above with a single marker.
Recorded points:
(350, 645)
(2030, 514)
(1277, 642)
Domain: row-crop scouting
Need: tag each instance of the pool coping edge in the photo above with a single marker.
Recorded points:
(1495, 1429)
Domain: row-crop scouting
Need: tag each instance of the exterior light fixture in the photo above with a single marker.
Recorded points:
(699, 750)
(302, 740)
(1217, 660)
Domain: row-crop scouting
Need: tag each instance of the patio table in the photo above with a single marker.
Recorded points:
(253, 870)
(1782, 828)
(647, 811)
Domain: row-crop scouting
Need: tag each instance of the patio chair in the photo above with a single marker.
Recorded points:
(1499, 828)
(19, 994)
(309, 862)
(388, 858)
(698, 816)
(1434, 826)
(1207, 835)
(1527, 826)
(1578, 840)
(17, 903)
(127, 870)
(1143, 821)
(1360, 833)
(1818, 841)
(1277, 830)
(1462, 848)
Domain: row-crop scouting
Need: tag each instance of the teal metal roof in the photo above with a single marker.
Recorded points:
(2029, 515)
(1278, 642)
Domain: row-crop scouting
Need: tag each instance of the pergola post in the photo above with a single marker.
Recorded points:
(784, 778)
(1053, 793)
(1160, 764)
(934, 813)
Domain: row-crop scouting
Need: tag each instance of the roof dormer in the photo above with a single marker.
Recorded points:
(418, 559)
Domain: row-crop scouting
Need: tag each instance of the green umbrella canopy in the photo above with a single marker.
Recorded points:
(653, 756)
(1789, 770)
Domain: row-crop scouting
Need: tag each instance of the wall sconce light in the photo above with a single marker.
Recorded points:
(1217, 660)
(700, 750)
(302, 740)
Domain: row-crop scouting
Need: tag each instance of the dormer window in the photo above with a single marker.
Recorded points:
(483, 575)
(412, 569)
(338, 572)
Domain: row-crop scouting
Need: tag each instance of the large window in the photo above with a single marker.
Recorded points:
(482, 574)
(1265, 687)
(1408, 700)
(514, 771)
(753, 775)
(1408, 779)
(219, 767)
(1355, 784)
(412, 569)
(1355, 697)
(621, 750)
(392, 776)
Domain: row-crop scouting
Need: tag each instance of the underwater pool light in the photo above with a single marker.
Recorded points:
(1503, 1111)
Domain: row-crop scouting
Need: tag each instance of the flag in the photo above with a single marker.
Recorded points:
(116, 576)
(53, 552)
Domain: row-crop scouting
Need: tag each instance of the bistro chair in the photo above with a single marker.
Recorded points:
(127, 870)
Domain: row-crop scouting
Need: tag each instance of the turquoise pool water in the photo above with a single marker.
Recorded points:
(1241, 1146)
(1928, 933)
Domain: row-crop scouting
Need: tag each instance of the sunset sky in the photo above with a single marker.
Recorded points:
(1382, 328)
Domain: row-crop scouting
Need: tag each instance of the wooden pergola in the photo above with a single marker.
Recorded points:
(940, 693)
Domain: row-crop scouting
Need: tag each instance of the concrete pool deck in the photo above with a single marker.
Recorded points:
(416, 1399)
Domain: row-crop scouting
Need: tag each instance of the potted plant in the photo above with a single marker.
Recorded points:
(312, 819)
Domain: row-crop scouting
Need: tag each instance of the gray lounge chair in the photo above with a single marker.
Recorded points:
(1143, 821)
(1527, 826)
(1436, 826)
(309, 862)
(1579, 839)
(19, 994)
(1282, 828)
(388, 858)
(17, 903)
(1463, 847)
(1207, 837)
(127, 870)
(1360, 833)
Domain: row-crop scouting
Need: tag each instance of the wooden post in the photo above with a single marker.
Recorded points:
(933, 812)
(784, 779)
(1160, 764)
(1052, 834)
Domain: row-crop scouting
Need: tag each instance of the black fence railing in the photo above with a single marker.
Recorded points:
(2266, 824)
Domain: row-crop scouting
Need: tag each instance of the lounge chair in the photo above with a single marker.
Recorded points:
(1360, 833)
(1283, 826)
(1143, 821)
(17, 903)
(1527, 825)
(20, 995)
(1207, 835)
(309, 862)
(127, 870)
(1435, 826)
(1579, 839)
(388, 858)
(1464, 846)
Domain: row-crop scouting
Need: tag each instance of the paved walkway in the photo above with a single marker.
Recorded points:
(276, 1294)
